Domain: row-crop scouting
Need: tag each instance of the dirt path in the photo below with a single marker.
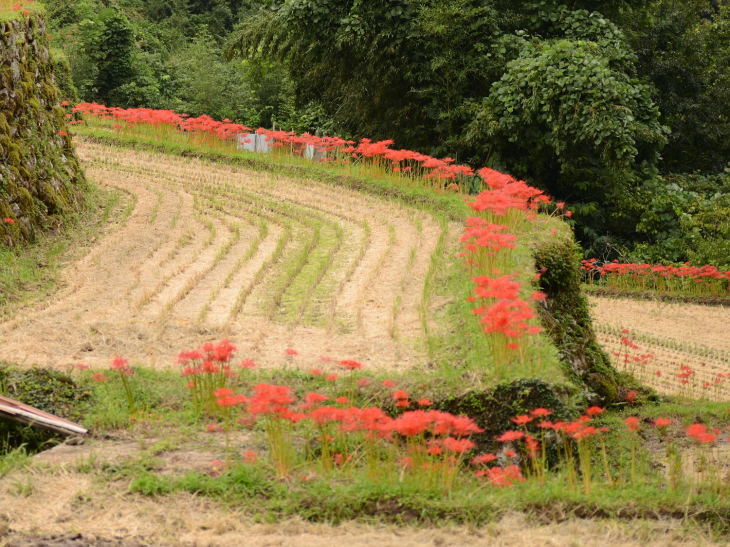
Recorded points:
(675, 335)
(63, 493)
(212, 251)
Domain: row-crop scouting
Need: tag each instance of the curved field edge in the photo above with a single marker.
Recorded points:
(165, 454)
(33, 272)
(581, 358)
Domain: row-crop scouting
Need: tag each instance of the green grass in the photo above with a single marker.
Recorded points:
(31, 272)
(7, 13)
(334, 501)
(13, 460)
(166, 422)
(411, 194)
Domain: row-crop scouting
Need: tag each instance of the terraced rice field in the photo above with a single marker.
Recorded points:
(676, 334)
(211, 251)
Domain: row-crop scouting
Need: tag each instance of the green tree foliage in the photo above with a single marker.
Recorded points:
(111, 46)
(565, 115)
(683, 47)
(596, 101)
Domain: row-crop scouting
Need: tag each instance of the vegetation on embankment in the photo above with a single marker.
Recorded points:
(598, 381)
(40, 177)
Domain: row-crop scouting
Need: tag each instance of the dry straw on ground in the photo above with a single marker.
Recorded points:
(211, 251)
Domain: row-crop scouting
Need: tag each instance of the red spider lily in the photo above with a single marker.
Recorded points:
(522, 420)
(700, 434)
(400, 394)
(594, 410)
(350, 365)
(250, 457)
(291, 352)
(331, 377)
(9, 221)
(631, 396)
(424, 402)
(457, 445)
(483, 458)
(510, 436)
(316, 372)
(632, 423)
(363, 382)
(99, 377)
(270, 399)
(388, 383)
(247, 363)
(417, 422)
(119, 363)
(662, 422)
(499, 476)
(541, 412)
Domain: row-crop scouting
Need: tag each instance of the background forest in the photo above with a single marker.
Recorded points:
(620, 108)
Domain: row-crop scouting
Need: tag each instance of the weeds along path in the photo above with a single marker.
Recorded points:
(212, 251)
(675, 334)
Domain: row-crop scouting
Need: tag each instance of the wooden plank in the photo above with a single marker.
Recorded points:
(20, 412)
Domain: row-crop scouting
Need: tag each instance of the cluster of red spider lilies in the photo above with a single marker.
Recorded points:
(321, 432)
(684, 279)
(378, 155)
(506, 313)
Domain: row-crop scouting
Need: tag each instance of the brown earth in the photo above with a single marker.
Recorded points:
(675, 334)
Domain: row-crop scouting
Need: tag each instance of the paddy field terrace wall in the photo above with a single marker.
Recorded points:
(40, 175)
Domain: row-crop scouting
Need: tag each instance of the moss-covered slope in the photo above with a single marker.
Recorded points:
(40, 176)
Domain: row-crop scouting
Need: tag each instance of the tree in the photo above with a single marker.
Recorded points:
(112, 50)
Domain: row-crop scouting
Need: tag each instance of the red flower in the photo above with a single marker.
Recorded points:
(509, 436)
(541, 412)
(400, 394)
(522, 420)
(291, 352)
(631, 396)
(662, 422)
(8, 221)
(250, 457)
(594, 410)
(248, 363)
(350, 365)
(483, 458)
(632, 423)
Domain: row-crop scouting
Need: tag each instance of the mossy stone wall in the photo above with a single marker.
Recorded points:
(40, 175)
(566, 318)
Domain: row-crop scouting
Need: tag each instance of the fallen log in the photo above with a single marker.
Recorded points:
(20, 412)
